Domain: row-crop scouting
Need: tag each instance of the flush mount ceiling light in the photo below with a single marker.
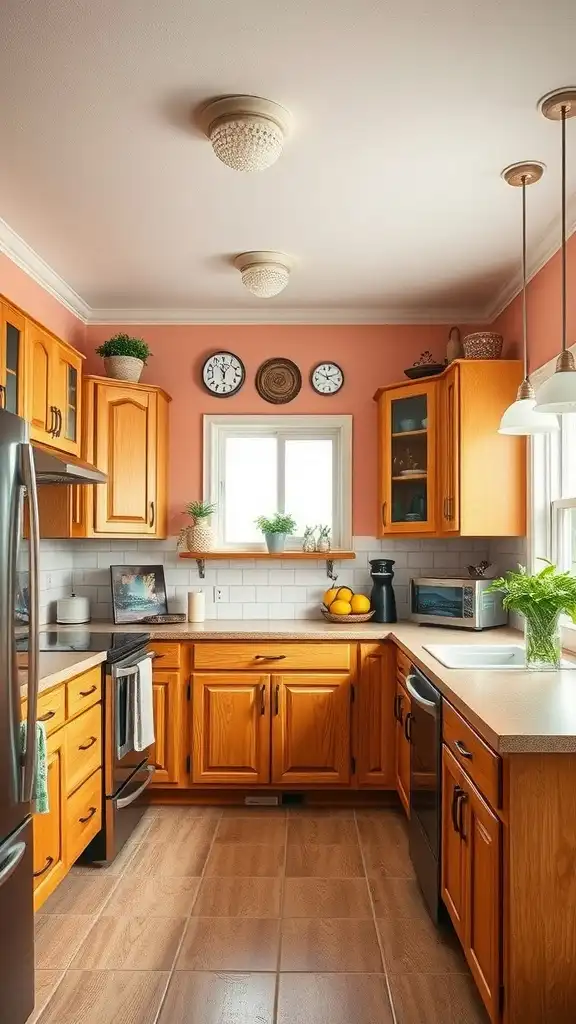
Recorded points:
(521, 417)
(264, 273)
(558, 393)
(247, 132)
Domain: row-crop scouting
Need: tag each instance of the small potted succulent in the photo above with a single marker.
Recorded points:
(275, 530)
(200, 536)
(124, 357)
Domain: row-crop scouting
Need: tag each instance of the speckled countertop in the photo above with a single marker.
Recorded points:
(515, 711)
(56, 667)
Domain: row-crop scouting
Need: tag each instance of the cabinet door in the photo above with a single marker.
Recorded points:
(167, 726)
(40, 410)
(453, 849)
(230, 728)
(481, 836)
(125, 449)
(402, 709)
(375, 730)
(311, 729)
(49, 853)
(65, 393)
(12, 368)
(449, 453)
(408, 450)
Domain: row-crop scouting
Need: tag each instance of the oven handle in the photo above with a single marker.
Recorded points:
(131, 670)
(125, 801)
(422, 701)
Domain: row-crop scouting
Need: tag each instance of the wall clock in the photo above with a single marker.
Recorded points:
(327, 378)
(278, 381)
(223, 374)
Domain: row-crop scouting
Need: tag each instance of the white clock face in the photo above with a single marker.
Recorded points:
(327, 378)
(223, 374)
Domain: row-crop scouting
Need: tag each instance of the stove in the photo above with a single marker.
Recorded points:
(117, 645)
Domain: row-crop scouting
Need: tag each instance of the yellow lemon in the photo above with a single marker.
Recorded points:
(345, 594)
(360, 603)
(340, 607)
(330, 596)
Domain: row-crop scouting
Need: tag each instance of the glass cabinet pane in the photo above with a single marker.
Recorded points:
(13, 340)
(409, 433)
(71, 403)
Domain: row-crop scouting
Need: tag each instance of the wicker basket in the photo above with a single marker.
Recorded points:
(123, 368)
(358, 617)
(483, 345)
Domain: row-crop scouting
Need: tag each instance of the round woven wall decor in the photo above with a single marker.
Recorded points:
(278, 381)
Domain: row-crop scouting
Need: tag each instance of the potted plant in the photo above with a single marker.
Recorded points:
(276, 530)
(541, 598)
(199, 536)
(124, 357)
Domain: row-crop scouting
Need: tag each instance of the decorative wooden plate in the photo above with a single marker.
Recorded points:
(278, 381)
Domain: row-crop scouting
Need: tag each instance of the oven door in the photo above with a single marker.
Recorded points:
(425, 733)
(127, 807)
(125, 757)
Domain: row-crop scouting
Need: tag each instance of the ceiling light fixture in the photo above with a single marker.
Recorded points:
(247, 132)
(264, 273)
(558, 393)
(521, 417)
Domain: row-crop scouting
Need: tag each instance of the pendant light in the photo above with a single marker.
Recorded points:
(521, 417)
(558, 393)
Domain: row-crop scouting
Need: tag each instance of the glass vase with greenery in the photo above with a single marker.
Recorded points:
(276, 529)
(541, 598)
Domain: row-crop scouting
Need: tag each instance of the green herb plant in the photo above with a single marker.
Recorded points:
(280, 522)
(124, 345)
(541, 597)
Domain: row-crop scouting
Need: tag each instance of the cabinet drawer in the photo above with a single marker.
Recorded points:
(83, 816)
(167, 655)
(271, 657)
(477, 759)
(83, 747)
(51, 709)
(84, 691)
(402, 664)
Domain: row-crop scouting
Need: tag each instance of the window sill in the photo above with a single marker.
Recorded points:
(315, 556)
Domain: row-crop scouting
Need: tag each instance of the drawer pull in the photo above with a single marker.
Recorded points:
(277, 699)
(269, 657)
(408, 727)
(47, 716)
(263, 699)
(90, 814)
(454, 809)
(91, 742)
(462, 799)
(86, 693)
(462, 750)
(49, 862)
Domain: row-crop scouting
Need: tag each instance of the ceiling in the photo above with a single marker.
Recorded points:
(388, 193)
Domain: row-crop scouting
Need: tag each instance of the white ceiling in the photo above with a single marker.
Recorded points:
(388, 193)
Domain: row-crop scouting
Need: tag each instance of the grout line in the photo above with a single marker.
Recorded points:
(380, 946)
(280, 920)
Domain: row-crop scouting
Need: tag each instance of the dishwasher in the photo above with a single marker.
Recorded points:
(424, 731)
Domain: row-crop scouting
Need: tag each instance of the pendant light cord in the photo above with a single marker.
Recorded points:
(564, 323)
(524, 311)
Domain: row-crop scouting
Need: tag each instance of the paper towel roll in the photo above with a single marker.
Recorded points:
(196, 606)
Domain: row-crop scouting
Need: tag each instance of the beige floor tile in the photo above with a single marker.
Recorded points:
(322, 829)
(106, 997)
(329, 944)
(238, 897)
(140, 896)
(326, 897)
(397, 897)
(116, 867)
(188, 828)
(45, 984)
(57, 939)
(248, 859)
(246, 830)
(175, 860)
(80, 894)
(417, 947)
(436, 999)
(240, 811)
(131, 943)
(311, 860)
(229, 944)
(203, 998)
(187, 810)
(333, 999)
(342, 813)
(387, 858)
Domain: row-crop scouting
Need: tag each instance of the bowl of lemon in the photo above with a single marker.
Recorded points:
(340, 604)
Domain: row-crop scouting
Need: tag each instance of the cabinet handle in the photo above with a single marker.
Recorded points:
(454, 809)
(384, 513)
(408, 726)
(90, 814)
(59, 422)
(2, 397)
(462, 799)
(269, 657)
(47, 716)
(445, 508)
(86, 746)
(397, 707)
(86, 693)
(462, 750)
(48, 863)
(277, 699)
(263, 699)
(401, 709)
(52, 426)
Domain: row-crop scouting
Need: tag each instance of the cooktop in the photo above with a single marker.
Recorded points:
(117, 645)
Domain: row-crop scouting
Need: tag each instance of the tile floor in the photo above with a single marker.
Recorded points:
(251, 917)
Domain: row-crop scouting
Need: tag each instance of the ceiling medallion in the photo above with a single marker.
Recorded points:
(278, 381)
(247, 132)
(264, 273)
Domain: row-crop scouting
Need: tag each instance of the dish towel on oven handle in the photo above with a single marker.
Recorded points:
(143, 706)
(40, 790)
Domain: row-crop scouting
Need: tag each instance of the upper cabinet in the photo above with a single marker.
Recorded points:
(52, 389)
(12, 359)
(443, 467)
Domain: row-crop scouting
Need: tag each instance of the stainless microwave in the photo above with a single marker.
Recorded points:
(456, 601)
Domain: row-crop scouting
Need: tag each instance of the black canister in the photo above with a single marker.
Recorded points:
(382, 598)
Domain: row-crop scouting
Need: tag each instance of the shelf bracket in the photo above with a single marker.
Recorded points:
(201, 563)
(330, 570)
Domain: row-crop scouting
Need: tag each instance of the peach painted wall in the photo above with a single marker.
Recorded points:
(544, 312)
(369, 355)
(38, 303)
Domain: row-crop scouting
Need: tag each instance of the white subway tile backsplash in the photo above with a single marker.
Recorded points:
(256, 577)
(421, 559)
(229, 611)
(229, 576)
(308, 577)
(281, 577)
(256, 611)
(242, 594)
(281, 611)
(268, 594)
(293, 594)
(177, 577)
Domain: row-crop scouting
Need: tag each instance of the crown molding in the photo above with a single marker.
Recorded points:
(329, 316)
(25, 257)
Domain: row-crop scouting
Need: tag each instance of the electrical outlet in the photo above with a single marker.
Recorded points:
(48, 581)
(218, 595)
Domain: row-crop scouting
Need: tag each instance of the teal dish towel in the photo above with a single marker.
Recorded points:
(40, 791)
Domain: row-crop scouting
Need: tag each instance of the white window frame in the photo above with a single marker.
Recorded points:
(216, 429)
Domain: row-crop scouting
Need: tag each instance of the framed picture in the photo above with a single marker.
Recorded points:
(137, 591)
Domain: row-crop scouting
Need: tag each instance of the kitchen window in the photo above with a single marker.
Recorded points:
(258, 465)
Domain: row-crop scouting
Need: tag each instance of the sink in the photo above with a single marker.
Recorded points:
(486, 656)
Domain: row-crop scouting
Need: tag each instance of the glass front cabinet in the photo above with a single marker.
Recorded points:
(408, 424)
(12, 325)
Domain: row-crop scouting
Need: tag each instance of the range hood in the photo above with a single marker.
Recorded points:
(60, 468)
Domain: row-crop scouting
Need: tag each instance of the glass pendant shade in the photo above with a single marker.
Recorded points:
(522, 418)
(558, 393)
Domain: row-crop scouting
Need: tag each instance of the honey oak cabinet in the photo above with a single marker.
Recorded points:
(52, 390)
(49, 832)
(230, 728)
(12, 359)
(375, 724)
(453, 859)
(443, 467)
(164, 755)
(311, 729)
(402, 716)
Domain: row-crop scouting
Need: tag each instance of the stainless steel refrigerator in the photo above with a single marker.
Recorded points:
(17, 767)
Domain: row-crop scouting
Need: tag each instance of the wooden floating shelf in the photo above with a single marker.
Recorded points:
(410, 433)
(410, 476)
(201, 557)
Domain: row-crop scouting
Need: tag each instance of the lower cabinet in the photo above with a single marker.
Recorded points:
(167, 726)
(402, 717)
(230, 728)
(375, 724)
(311, 729)
(49, 853)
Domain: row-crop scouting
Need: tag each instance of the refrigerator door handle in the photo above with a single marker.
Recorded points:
(8, 866)
(29, 757)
